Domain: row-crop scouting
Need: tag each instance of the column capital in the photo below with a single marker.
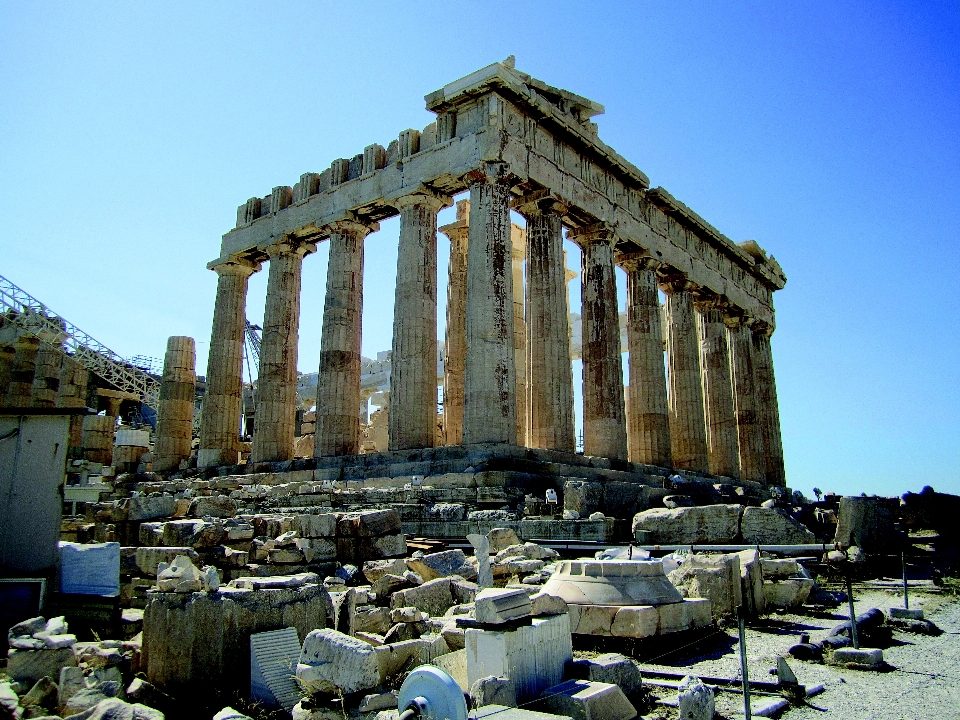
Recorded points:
(735, 318)
(705, 300)
(672, 280)
(598, 233)
(636, 261)
(761, 328)
(539, 202)
(422, 196)
(350, 226)
(457, 231)
(490, 172)
(239, 267)
(289, 246)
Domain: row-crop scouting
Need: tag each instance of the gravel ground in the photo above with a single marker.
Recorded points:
(925, 683)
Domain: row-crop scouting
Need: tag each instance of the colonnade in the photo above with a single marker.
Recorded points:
(713, 410)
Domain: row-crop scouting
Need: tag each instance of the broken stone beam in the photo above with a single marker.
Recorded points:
(496, 607)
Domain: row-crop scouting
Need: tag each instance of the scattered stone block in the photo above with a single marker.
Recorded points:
(28, 666)
(228, 713)
(497, 606)
(145, 693)
(584, 700)
(150, 507)
(544, 603)
(373, 570)
(636, 621)
(773, 526)
(502, 538)
(317, 526)
(715, 577)
(43, 694)
(273, 659)
(685, 526)
(871, 658)
(695, 701)
(582, 497)
(786, 594)
(493, 691)
(442, 564)
(149, 558)
(610, 668)
(687, 615)
(394, 658)
(378, 701)
(899, 613)
(332, 662)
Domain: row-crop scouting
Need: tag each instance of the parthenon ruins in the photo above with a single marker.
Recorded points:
(516, 144)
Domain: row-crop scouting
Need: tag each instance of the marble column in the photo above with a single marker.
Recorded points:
(274, 424)
(46, 376)
(490, 390)
(767, 407)
(222, 405)
(749, 433)
(719, 417)
(413, 363)
(455, 340)
(178, 387)
(648, 419)
(604, 416)
(688, 438)
(518, 254)
(338, 384)
(21, 376)
(549, 378)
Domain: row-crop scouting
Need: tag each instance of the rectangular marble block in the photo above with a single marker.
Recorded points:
(639, 621)
(531, 657)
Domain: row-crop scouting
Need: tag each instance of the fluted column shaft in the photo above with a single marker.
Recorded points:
(549, 378)
(518, 253)
(220, 414)
(768, 409)
(752, 463)
(175, 408)
(21, 376)
(719, 417)
(604, 417)
(455, 341)
(275, 421)
(413, 363)
(490, 392)
(688, 440)
(648, 421)
(338, 384)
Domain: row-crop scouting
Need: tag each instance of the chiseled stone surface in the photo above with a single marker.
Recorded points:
(683, 526)
(688, 437)
(175, 410)
(220, 418)
(648, 421)
(490, 392)
(752, 462)
(604, 419)
(767, 406)
(413, 362)
(332, 662)
(772, 526)
(549, 376)
(21, 375)
(721, 423)
(46, 376)
(455, 343)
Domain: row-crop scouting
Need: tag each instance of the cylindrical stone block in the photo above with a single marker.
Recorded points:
(518, 253)
(750, 435)
(490, 389)
(46, 376)
(604, 417)
(549, 379)
(275, 422)
(719, 417)
(455, 341)
(767, 407)
(648, 421)
(172, 443)
(21, 376)
(413, 362)
(222, 405)
(688, 437)
(338, 382)
(97, 440)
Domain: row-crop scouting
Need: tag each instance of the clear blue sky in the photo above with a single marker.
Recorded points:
(828, 132)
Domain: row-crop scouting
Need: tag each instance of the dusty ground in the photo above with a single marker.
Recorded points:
(924, 684)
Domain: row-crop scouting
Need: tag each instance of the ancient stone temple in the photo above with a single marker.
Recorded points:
(707, 408)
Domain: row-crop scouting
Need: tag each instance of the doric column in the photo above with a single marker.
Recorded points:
(752, 463)
(274, 424)
(46, 376)
(768, 409)
(604, 419)
(549, 378)
(688, 440)
(21, 377)
(720, 421)
(338, 384)
(518, 253)
(648, 420)
(455, 341)
(222, 404)
(413, 363)
(490, 391)
(178, 388)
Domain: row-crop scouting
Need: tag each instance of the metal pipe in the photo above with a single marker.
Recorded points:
(853, 614)
(779, 549)
(906, 597)
(743, 662)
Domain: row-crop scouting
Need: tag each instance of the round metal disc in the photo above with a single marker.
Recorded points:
(442, 697)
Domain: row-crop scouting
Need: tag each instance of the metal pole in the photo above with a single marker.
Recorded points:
(906, 597)
(743, 662)
(853, 615)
